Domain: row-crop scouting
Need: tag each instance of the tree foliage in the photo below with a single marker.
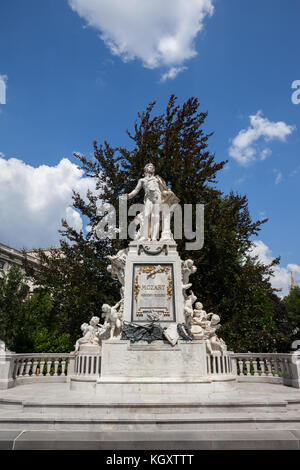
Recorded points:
(292, 305)
(28, 322)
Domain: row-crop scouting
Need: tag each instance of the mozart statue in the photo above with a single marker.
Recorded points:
(158, 197)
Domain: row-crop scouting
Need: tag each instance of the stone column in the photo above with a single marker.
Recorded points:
(293, 366)
(7, 364)
(71, 368)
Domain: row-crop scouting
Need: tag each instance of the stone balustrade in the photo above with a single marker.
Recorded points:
(268, 367)
(219, 365)
(87, 365)
(27, 368)
(250, 367)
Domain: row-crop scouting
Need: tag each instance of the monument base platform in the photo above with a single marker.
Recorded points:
(50, 416)
(139, 372)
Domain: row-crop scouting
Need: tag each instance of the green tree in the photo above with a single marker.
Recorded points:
(13, 293)
(28, 323)
(42, 331)
(227, 280)
(292, 305)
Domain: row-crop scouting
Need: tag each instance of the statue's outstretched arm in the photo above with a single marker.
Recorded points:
(136, 190)
(117, 305)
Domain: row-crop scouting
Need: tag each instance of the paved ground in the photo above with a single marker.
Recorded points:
(60, 392)
(167, 441)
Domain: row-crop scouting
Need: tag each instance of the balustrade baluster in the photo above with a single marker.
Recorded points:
(63, 367)
(276, 367)
(34, 368)
(255, 367)
(262, 367)
(248, 364)
(269, 368)
(27, 367)
(218, 364)
(23, 365)
(48, 366)
(56, 363)
(41, 371)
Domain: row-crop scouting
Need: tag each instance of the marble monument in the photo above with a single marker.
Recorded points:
(156, 337)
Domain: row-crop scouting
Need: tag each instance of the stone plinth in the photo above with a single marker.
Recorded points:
(6, 370)
(141, 371)
(86, 369)
(153, 281)
(122, 360)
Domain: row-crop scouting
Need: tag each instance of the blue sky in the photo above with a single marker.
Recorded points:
(69, 83)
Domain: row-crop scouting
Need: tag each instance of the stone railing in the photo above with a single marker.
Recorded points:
(219, 365)
(272, 368)
(87, 365)
(249, 367)
(27, 368)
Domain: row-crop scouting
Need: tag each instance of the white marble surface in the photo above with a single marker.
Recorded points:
(139, 257)
(159, 360)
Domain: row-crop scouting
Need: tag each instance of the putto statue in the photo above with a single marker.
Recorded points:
(214, 344)
(157, 195)
(92, 333)
(204, 326)
(188, 308)
(188, 268)
(113, 319)
(117, 268)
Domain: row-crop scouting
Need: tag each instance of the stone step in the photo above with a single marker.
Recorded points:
(91, 409)
(244, 421)
(163, 440)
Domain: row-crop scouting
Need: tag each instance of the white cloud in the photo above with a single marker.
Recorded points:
(244, 148)
(159, 33)
(172, 73)
(282, 275)
(295, 171)
(3, 80)
(279, 176)
(240, 180)
(265, 153)
(34, 200)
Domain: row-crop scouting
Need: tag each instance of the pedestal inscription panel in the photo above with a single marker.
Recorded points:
(153, 290)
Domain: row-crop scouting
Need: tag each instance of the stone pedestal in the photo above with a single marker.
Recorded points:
(87, 368)
(153, 282)
(6, 370)
(140, 372)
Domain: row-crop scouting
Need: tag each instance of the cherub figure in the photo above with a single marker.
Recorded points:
(117, 266)
(188, 308)
(201, 315)
(187, 269)
(92, 332)
(213, 343)
(113, 319)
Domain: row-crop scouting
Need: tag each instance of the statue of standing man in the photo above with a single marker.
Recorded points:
(153, 218)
